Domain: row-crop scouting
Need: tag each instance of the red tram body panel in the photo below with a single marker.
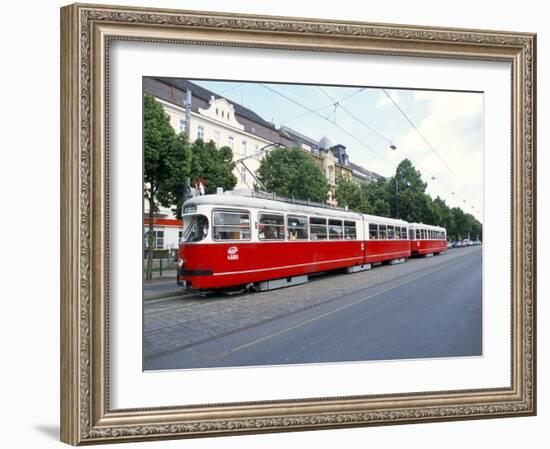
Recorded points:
(231, 241)
(421, 247)
(382, 250)
(223, 265)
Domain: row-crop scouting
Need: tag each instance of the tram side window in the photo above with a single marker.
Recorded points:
(296, 227)
(418, 234)
(424, 234)
(335, 230)
(271, 227)
(373, 231)
(403, 233)
(318, 228)
(231, 226)
(382, 232)
(411, 234)
(350, 230)
(391, 233)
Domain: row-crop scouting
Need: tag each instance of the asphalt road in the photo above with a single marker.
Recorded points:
(427, 307)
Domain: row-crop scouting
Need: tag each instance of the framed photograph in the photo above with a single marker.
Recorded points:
(279, 224)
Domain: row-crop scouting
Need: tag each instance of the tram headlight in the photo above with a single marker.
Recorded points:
(181, 261)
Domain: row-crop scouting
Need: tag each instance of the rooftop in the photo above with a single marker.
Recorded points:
(206, 95)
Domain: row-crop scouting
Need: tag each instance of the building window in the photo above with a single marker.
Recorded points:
(200, 132)
(243, 175)
(223, 113)
(231, 141)
(257, 150)
(158, 240)
(245, 150)
(183, 125)
(217, 137)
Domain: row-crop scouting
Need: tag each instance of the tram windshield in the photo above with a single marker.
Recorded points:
(196, 228)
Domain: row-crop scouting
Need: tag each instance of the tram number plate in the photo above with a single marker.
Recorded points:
(233, 253)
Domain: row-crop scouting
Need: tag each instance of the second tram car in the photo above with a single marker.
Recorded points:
(427, 239)
(230, 241)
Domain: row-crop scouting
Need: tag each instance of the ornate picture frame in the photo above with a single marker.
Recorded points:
(87, 32)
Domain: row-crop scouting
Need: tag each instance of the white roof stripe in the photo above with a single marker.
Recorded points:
(231, 200)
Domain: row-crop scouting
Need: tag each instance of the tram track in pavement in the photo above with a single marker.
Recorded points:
(379, 285)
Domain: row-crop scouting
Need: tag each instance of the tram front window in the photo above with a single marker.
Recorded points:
(196, 228)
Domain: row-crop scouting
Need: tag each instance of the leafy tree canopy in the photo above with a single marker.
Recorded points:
(293, 173)
(404, 196)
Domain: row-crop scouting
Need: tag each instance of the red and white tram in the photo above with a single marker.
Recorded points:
(231, 240)
(427, 239)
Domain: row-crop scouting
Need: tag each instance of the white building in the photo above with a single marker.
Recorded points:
(213, 117)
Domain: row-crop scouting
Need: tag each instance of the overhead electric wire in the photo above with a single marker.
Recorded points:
(338, 103)
(324, 118)
(315, 112)
(370, 128)
(323, 107)
(429, 144)
(304, 114)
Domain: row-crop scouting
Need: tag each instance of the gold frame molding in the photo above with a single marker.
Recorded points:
(86, 31)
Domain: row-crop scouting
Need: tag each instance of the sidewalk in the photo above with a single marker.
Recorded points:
(162, 287)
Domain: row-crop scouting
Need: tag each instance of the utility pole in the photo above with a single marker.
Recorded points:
(188, 105)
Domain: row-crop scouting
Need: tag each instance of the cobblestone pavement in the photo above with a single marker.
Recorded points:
(177, 323)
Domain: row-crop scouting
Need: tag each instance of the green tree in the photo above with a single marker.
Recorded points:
(381, 208)
(215, 165)
(378, 194)
(293, 173)
(351, 195)
(166, 159)
(407, 194)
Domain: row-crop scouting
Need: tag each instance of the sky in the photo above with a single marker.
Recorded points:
(441, 132)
